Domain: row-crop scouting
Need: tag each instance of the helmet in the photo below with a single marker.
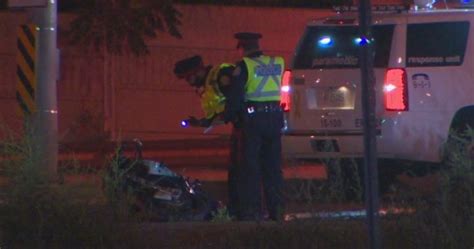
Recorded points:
(247, 40)
(188, 66)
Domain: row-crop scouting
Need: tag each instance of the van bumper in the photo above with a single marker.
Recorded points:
(317, 146)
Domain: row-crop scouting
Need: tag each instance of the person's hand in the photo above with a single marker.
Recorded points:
(204, 122)
(193, 121)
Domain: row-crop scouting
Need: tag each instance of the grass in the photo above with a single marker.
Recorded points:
(40, 213)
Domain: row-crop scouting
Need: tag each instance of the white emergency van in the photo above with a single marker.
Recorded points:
(424, 74)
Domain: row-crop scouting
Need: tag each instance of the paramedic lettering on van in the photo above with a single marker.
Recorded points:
(335, 61)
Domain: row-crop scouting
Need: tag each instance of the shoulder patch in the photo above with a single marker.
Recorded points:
(236, 71)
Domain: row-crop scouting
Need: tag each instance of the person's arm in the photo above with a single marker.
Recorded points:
(223, 82)
(236, 93)
(224, 79)
(199, 122)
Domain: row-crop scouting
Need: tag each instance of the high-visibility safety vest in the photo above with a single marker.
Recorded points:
(264, 78)
(212, 99)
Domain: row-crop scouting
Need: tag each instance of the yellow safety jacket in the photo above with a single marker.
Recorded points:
(264, 75)
(212, 99)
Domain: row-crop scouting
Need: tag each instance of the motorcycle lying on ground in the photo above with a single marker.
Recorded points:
(157, 190)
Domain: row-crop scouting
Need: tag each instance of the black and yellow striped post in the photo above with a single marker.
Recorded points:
(26, 73)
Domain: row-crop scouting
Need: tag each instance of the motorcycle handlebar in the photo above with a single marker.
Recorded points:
(138, 147)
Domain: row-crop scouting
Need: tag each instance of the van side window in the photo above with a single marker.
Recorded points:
(338, 47)
(436, 44)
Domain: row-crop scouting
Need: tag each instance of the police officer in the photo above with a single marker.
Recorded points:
(212, 84)
(255, 97)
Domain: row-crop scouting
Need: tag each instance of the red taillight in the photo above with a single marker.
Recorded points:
(285, 91)
(395, 90)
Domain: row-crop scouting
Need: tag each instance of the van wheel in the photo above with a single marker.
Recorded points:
(459, 147)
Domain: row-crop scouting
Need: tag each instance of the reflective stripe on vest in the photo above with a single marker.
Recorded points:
(212, 99)
(263, 78)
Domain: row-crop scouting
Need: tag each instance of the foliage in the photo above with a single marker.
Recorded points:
(273, 3)
(116, 24)
(343, 184)
(459, 149)
(71, 4)
(38, 212)
(445, 217)
(118, 197)
(221, 215)
(457, 185)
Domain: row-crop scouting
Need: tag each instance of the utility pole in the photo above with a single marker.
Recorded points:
(368, 110)
(43, 14)
(46, 120)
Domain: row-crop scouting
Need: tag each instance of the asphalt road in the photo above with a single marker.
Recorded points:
(206, 160)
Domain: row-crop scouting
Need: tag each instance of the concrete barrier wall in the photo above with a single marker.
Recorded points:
(127, 96)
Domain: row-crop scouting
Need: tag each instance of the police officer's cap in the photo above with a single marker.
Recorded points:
(247, 38)
(187, 66)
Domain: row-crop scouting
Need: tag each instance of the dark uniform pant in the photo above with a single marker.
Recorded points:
(236, 159)
(262, 165)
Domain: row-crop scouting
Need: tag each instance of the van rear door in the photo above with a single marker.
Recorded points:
(325, 80)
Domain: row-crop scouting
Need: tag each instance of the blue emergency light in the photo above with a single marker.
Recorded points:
(325, 41)
(184, 123)
(468, 4)
(358, 40)
(361, 41)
